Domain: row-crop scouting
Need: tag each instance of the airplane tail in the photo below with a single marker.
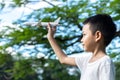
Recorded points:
(57, 20)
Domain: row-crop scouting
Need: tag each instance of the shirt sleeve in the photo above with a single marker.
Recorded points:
(82, 59)
(107, 71)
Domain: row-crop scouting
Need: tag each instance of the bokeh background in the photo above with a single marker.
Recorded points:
(25, 53)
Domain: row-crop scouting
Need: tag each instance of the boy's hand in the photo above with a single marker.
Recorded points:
(51, 31)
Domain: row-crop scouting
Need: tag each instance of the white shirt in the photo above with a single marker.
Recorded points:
(102, 69)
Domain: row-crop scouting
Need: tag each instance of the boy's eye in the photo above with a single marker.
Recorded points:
(84, 34)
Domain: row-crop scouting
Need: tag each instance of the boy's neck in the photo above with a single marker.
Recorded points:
(97, 54)
(99, 51)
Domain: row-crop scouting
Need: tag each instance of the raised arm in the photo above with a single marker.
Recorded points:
(63, 58)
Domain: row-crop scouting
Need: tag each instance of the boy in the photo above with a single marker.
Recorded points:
(98, 31)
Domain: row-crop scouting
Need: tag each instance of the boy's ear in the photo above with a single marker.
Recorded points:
(98, 36)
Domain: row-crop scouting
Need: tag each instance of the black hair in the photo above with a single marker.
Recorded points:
(104, 24)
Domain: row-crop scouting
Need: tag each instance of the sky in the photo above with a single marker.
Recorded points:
(10, 15)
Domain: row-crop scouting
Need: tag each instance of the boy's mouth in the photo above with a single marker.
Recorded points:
(82, 44)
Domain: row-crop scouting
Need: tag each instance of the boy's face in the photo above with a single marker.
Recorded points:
(88, 39)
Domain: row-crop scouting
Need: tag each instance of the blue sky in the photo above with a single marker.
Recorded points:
(9, 15)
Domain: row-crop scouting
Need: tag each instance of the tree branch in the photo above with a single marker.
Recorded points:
(49, 3)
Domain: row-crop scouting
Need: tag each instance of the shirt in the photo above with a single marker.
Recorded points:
(101, 69)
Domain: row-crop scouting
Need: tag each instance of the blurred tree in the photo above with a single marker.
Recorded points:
(68, 33)
(6, 63)
(117, 64)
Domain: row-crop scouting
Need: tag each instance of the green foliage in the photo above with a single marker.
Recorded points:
(22, 70)
(12, 69)
(68, 34)
(6, 63)
(115, 7)
(117, 65)
(28, 35)
(19, 68)
(55, 71)
(20, 2)
(115, 56)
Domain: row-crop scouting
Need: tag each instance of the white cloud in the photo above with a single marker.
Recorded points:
(26, 54)
(10, 15)
(43, 4)
(40, 55)
(5, 28)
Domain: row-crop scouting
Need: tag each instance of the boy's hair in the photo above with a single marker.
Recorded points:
(104, 24)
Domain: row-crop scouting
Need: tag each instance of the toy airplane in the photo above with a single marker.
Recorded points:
(44, 24)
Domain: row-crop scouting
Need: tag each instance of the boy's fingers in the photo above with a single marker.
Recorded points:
(54, 28)
(48, 27)
(51, 28)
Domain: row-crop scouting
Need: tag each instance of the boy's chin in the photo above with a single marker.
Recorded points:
(86, 50)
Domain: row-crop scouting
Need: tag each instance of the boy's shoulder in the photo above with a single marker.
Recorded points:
(106, 60)
(85, 54)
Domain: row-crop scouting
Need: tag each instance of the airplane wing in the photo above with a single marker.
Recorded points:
(44, 24)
